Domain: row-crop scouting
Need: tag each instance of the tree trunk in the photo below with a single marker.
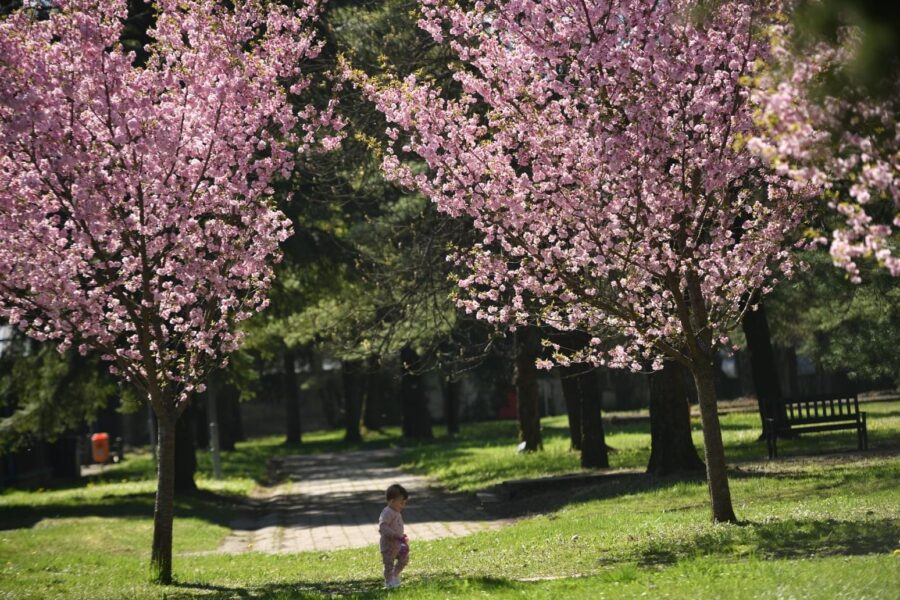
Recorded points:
(63, 457)
(527, 348)
(373, 413)
(572, 393)
(185, 451)
(594, 454)
(714, 450)
(228, 403)
(353, 392)
(201, 419)
(413, 402)
(291, 399)
(793, 378)
(163, 512)
(212, 413)
(152, 431)
(671, 447)
(451, 404)
(762, 366)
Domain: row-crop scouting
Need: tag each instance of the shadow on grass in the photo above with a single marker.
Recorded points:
(361, 588)
(789, 539)
(546, 496)
(551, 498)
(214, 508)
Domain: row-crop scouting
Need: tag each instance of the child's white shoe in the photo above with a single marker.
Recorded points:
(392, 583)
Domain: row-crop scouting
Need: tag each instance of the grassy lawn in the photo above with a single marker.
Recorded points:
(483, 454)
(822, 523)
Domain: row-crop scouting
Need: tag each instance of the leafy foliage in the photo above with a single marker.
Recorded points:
(43, 393)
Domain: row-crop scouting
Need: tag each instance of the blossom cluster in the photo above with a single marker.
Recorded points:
(136, 212)
(844, 143)
(600, 147)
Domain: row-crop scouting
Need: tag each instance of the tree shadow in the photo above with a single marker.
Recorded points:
(214, 508)
(778, 539)
(552, 494)
(354, 588)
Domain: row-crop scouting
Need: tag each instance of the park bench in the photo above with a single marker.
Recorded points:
(817, 413)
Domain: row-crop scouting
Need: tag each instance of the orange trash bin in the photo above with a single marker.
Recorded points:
(100, 447)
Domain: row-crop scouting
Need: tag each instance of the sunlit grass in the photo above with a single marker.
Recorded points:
(823, 523)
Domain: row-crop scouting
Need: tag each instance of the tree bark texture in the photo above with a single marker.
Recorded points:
(413, 402)
(762, 366)
(228, 402)
(671, 447)
(200, 407)
(572, 394)
(185, 451)
(352, 376)
(452, 391)
(163, 512)
(63, 457)
(293, 429)
(594, 454)
(373, 412)
(527, 348)
(714, 450)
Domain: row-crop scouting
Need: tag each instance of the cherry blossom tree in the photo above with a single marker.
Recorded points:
(600, 148)
(844, 143)
(136, 217)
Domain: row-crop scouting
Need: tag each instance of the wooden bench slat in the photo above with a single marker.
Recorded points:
(846, 420)
(818, 413)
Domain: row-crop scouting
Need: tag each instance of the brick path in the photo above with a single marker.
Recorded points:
(333, 501)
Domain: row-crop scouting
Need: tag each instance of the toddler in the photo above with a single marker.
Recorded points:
(394, 544)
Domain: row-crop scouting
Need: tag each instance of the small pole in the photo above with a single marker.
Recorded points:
(213, 432)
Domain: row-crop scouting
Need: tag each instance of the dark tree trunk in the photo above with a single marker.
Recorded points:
(164, 510)
(762, 367)
(185, 451)
(353, 399)
(714, 450)
(793, 380)
(671, 447)
(373, 413)
(291, 399)
(152, 431)
(451, 404)
(237, 423)
(63, 457)
(528, 343)
(324, 392)
(229, 409)
(594, 453)
(413, 402)
(201, 420)
(572, 394)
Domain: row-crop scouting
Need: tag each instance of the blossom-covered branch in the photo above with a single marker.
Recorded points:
(134, 201)
(846, 144)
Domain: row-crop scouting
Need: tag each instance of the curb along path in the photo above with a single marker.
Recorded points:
(333, 502)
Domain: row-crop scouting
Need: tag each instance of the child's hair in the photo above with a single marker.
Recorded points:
(396, 491)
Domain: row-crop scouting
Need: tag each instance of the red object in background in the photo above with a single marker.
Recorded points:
(510, 409)
(100, 447)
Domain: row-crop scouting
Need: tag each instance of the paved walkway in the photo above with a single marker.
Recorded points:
(333, 501)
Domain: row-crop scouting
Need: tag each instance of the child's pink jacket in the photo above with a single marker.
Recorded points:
(390, 526)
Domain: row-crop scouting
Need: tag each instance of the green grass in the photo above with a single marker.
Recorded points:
(484, 453)
(815, 525)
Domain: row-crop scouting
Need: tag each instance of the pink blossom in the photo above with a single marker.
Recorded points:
(601, 149)
(135, 209)
(846, 147)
